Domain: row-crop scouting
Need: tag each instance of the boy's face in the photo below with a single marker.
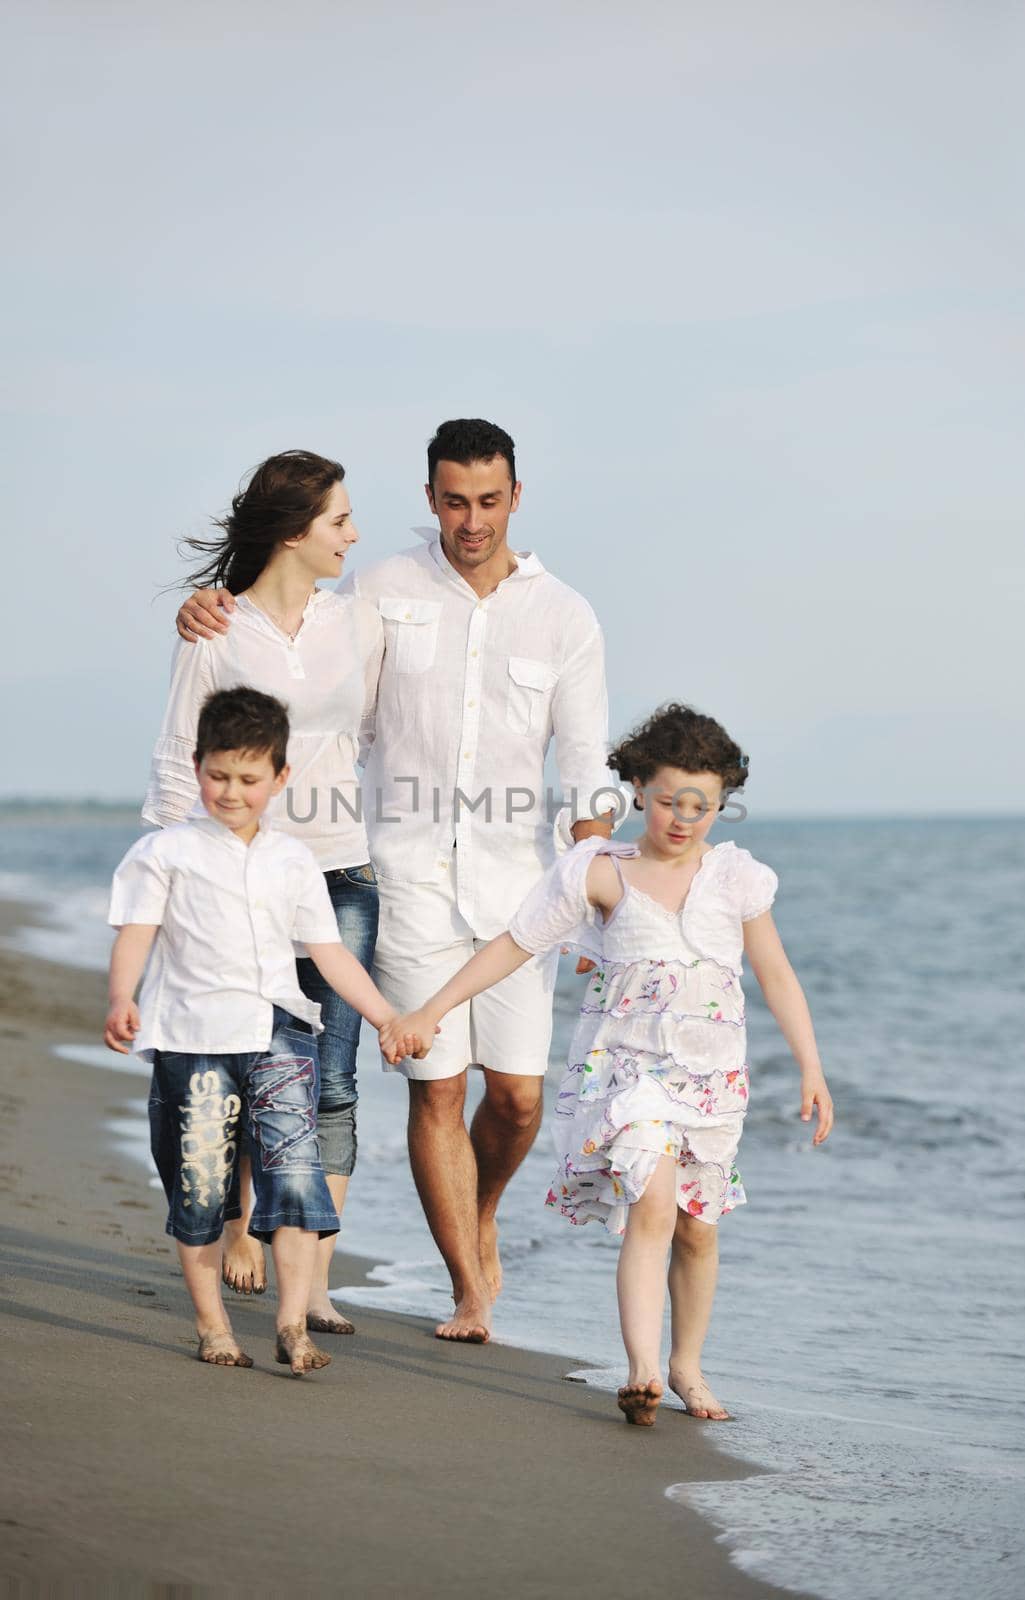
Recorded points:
(236, 786)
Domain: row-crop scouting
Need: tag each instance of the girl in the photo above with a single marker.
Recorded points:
(320, 653)
(649, 1113)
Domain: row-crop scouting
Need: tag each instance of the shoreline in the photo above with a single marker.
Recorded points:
(408, 1465)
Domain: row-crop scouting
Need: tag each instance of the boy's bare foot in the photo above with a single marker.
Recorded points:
(490, 1260)
(222, 1349)
(639, 1402)
(471, 1323)
(295, 1349)
(243, 1268)
(697, 1396)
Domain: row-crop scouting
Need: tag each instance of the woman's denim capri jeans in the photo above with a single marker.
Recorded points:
(353, 892)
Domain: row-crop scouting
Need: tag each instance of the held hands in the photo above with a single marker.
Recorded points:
(411, 1035)
(816, 1097)
(121, 1027)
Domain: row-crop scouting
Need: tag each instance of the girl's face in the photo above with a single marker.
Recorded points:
(679, 808)
(323, 547)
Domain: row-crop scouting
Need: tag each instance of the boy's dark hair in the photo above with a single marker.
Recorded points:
(243, 719)
(282, 496)
(678, 736)
(468, 439)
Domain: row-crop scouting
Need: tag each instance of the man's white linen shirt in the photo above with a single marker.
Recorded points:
(327, 678)
(228, 914)
(470, 693)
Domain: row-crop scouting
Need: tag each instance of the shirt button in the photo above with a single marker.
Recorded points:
(471, 704)
(409, 616)
(473, 652)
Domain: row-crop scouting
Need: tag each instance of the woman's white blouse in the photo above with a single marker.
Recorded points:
(327, 678)
(729, 889)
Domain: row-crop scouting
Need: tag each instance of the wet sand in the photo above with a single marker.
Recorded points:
(407, 1467)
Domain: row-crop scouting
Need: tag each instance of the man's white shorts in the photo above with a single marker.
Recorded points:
(423, 941)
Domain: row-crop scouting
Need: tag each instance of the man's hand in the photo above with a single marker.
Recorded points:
(411, 1035)
(816, 1097)
(122, 1026)
(205, 614)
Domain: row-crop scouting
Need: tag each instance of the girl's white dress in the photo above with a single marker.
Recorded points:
(658, 1062)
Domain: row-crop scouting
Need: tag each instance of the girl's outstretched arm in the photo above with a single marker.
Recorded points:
(785, 999)
(489, 966)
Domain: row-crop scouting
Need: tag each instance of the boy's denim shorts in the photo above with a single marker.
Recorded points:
(353, 892)
(199, 1108)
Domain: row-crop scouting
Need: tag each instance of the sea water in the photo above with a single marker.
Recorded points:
(867, 1331)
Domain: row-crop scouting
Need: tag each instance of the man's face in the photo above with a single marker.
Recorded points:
(473, 504)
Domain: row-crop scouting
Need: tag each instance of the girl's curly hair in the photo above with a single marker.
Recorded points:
(678, 736)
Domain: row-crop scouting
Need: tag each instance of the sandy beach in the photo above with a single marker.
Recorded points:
(409, 1466)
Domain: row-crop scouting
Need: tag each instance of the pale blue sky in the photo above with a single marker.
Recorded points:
(744, 281)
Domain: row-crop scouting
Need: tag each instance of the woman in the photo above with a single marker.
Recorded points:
(320, 653)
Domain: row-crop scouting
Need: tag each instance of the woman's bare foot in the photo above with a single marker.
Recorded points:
(697, 1397)
(471, 1323)
(243, 1267)
(639, 1402)
(295, 1349)
(490, 1260)
(220, 1348)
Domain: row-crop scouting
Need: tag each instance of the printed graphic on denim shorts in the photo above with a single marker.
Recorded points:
(282, 1106)
(209, 1140)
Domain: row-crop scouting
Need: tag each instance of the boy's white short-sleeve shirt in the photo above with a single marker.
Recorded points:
(229, 915)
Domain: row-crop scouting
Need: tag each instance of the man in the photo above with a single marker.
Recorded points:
(487, 656)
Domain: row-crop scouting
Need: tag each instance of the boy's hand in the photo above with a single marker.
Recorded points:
(411, 1035)
(816, 1097)
(122, 1026)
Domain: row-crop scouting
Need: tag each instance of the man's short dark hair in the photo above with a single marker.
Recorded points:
(243, 719)
(468, 439)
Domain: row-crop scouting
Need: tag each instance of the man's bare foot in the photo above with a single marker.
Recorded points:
(490, 1260)
(242, 1267)
(697, 1397)
(639, 1402)
(221, 1349)
(295, 1349)
(471, 1323)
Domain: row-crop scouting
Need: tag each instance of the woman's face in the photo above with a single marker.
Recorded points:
(325, 544)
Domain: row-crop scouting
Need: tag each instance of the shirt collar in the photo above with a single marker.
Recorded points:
(220, 830)
(528, 565)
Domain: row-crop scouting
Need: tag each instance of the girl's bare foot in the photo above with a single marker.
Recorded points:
(220, 1348)
(243, 1267)
(295, 1349)
(696, 1395)
(471, 1323)
(639, 1402)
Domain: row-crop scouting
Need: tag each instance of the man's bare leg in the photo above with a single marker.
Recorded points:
(243, 1267)
(322, 1316)
(504, 1127)
(445, 1174)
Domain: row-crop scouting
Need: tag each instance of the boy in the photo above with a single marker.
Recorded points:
(218, 900)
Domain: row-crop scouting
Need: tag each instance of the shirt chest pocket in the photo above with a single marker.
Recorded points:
(410, 632)
(531, 686)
